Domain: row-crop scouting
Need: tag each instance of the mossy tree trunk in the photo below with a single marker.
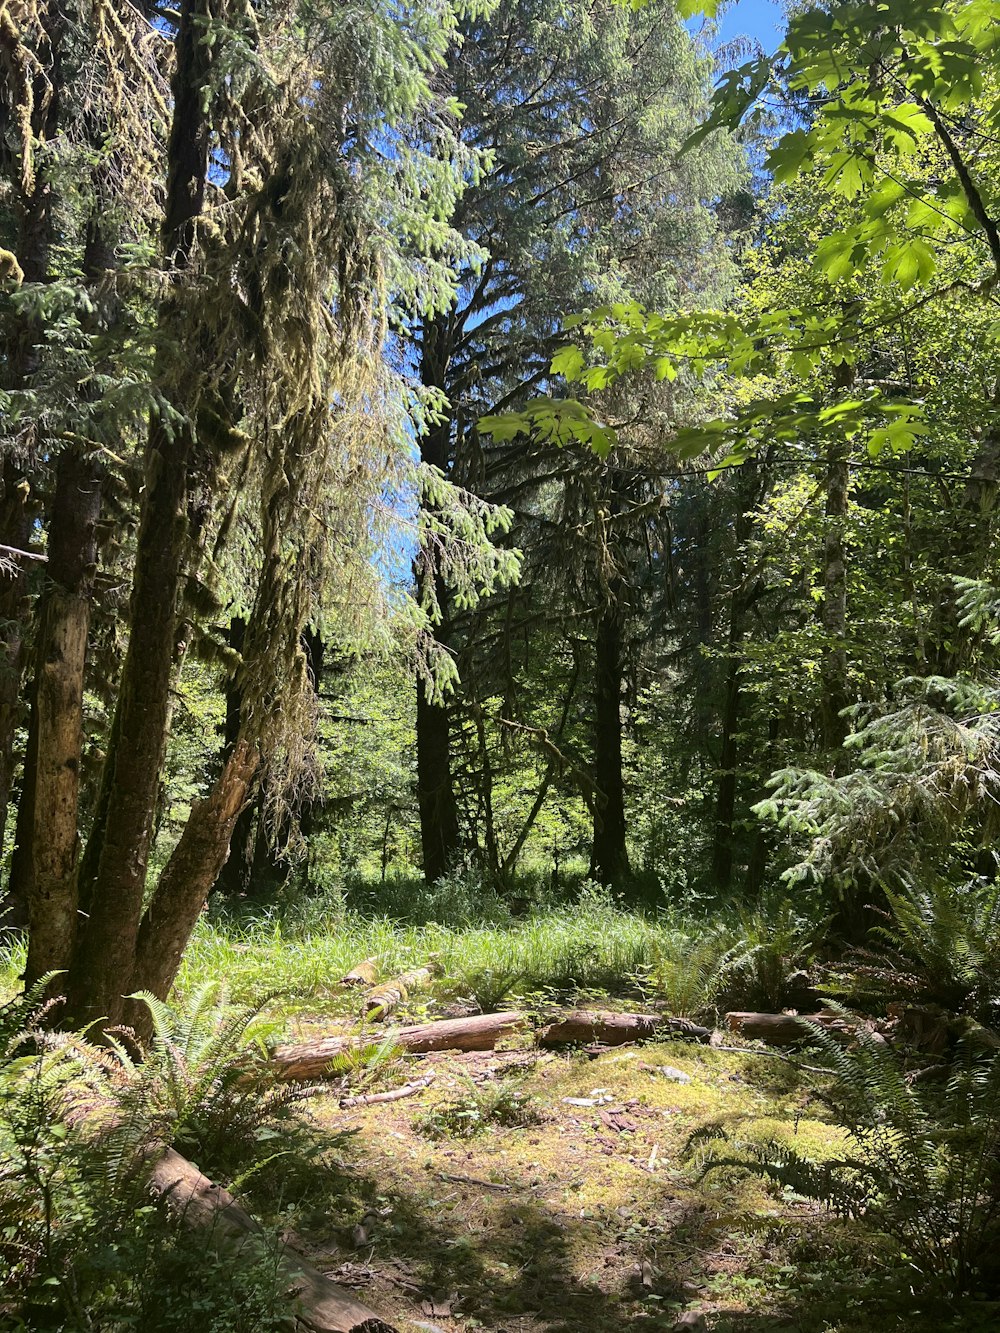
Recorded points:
(106, 948)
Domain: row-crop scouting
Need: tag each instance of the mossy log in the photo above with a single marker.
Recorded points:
(320, 1306)
(611, 1029)
(783, 1029)
(362, 975)
(387, 997)
(480, 1032)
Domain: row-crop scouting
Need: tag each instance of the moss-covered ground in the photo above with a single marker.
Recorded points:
(594, 1218)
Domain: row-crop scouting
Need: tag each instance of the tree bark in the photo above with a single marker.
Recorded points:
(59, 685)
(970, 544)
(439, 829)
(609, 855)
(18, 362)
(188, 876)
(611, 1029)
(781, 1029)
(440, 836)
(386, 997)
(17, 511)
(725, 795)
(106, 952)
(834, 608)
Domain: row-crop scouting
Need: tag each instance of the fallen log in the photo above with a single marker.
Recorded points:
(320, 1305)
(478, 1032)
(387, 997)
(362, 975)
(610, 1029)
(783, 1029)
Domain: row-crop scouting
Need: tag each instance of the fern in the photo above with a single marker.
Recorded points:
(940, 946)
(925, 1161)
(204, 1081)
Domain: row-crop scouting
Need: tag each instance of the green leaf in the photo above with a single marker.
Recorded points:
(568, 362)
(687, 9)
(909, 262)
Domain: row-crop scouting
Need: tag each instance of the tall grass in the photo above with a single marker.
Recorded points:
(589, 945)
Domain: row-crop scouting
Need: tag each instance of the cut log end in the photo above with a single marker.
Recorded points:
(364, 974)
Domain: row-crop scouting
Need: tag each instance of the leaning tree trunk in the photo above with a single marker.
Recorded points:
(105, 955)
(187, 878)
(609, 856)
(58, 713)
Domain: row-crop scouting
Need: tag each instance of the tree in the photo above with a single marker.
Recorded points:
(581, 196)
(262, 368)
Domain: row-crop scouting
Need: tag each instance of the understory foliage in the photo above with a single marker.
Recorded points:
(81, 1242)
(921, 1160)
(467, 488)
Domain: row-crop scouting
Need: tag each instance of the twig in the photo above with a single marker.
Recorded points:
(25, 555)
(474, 1180)
(395, 1095)
(748, 1050)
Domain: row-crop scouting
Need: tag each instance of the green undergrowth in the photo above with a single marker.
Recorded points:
(693, 961)
(592, 945)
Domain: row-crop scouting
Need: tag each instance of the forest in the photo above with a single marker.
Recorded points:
(499, 666)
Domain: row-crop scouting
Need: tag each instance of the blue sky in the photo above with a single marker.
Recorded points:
(759, 19)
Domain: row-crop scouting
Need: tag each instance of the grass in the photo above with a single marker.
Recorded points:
(593, 946)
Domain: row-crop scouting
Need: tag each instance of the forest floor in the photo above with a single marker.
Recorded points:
(532, 1192)
(525, 1192)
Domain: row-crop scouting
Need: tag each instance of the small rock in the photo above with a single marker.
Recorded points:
(674, 1075)
(690, 1322)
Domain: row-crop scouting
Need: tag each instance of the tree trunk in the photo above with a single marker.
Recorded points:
(17, 512)
(188, 876)
(440, 837)
(609, 1029)
(970, 546)
(725, 796)
(18, 362)
(834, 610)
(234, 877)
(782, 1029)
(439, 830)
(609, 856)
(106, 952)
(59, 685)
